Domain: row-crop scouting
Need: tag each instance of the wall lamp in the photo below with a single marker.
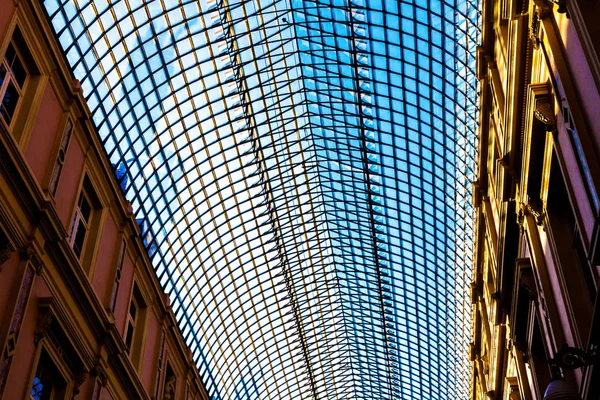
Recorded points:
(567, 359)
(562, 6)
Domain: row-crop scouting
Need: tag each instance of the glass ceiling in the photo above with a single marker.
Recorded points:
(300, 171)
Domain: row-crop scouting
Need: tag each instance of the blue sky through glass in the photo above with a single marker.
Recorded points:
(300, 172)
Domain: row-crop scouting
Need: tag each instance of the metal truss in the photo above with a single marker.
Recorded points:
(300, 172)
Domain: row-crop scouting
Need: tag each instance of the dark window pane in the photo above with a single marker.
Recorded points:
(79, 238)
(85, 208)
(9, 102)
(132, 310)
(2, 74)
(129, 338)
(10, 54)
(42, 386)
(19, 71)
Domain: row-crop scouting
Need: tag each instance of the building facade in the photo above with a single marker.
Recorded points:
(536, 263)
(82, 314)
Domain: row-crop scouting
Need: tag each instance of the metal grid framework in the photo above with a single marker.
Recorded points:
(300, 172)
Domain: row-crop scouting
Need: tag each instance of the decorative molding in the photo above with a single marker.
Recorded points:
(80, 377)
(521, 348)
(28, 252)
(544, 110)
(513, 383)
(6, 251)
(44, 321)
(99, 371)
(543, 101)
(570, 358)
(528, 209)
(7, 355)
(540, 96)
(527, 280)
(534, 28)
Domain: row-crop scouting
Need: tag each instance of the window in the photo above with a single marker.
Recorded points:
(21, 85)
(170, 384)
(575, 271)
(131, 323)
(57, 373)
(81, 223)
(13, 78)
(47, 383)
(134, 330)
(42, 385)
(85, 229)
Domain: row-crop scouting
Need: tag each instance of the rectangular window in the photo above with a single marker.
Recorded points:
(60, 158)
(13, 78)
(85, 228)
(131, 323)
(48, 383)
(170, 385)
(134, 330)
(81, 223)
(21, 85)
(42, 384)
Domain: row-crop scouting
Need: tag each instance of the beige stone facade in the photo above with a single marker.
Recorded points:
(536, 269)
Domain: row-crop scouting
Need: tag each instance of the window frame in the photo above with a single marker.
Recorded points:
(135, 350)
(94, 226)
(169, 373)
(45, 346)
(9, 77)
(77, 218)
(38, 72)
(131, 324)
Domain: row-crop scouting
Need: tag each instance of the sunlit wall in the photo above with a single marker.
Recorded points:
(300, 172)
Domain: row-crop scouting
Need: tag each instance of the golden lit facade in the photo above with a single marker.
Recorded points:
(82, 314)
(536, 258)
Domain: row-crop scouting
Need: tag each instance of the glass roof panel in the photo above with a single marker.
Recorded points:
(300, 172)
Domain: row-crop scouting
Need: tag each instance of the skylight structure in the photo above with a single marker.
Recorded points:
(300, 171)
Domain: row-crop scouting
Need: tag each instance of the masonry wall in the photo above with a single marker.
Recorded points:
(67, 286)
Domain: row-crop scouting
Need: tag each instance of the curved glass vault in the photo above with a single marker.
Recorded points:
(300, 172)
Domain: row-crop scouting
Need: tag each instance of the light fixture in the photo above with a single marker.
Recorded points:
(567, 359)
(559, 389)
(562, 6)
